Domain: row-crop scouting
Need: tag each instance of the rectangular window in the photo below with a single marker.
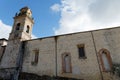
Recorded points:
(81, 51)
(35, 57)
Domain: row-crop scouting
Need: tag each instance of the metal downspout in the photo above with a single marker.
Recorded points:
(56, 54)
(97, 55)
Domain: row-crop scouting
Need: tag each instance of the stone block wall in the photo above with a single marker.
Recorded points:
(2, 50)
(50, 56)
(82, 68)
(10, 57)
(46, 57)
(108, 39)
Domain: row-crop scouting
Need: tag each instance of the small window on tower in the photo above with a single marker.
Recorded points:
(28, 29)
(81, 51)
(18, 26)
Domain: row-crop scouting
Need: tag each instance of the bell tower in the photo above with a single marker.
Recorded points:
(21, 31)
(22, 27)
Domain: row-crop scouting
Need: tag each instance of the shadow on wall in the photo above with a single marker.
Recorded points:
(30, 76)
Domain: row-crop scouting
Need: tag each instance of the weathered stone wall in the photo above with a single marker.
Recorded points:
(108, 39)
(82, 68)
(46, 61)
(51, 49)
(2, 49)
(48, 48)
(7, 74)
(10, 57)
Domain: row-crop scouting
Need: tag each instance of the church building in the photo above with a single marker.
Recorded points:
(90, 55)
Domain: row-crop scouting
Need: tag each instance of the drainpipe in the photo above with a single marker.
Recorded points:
(97, 55)
(56, 54)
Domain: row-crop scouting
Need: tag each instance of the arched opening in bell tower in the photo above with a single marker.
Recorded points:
(18, 26)
(28, 29)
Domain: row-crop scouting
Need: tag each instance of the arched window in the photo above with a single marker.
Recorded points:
(105, 60)
(66, 63)
(18, 26)
(28, 29)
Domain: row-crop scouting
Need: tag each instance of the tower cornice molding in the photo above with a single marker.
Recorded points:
(24, 16)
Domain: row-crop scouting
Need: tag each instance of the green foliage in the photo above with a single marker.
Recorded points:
(116, 69)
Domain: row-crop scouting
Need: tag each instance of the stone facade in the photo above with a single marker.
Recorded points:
(85, 55)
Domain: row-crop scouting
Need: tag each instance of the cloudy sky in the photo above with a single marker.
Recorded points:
(83, 15)
(62, 16)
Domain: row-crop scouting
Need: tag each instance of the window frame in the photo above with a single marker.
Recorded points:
(36, 57)
(63, 63)
(81, 46)
(108, 56)
(28, 29)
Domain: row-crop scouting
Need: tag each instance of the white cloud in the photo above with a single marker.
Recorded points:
(34, 37)
(6, 29)
(55, 7)
(83, 15)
